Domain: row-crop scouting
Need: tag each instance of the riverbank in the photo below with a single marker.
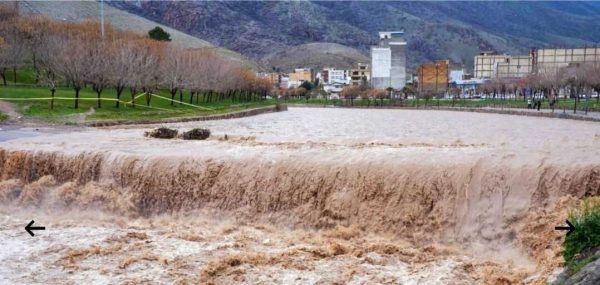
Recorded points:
(548, 113)
(32, 104)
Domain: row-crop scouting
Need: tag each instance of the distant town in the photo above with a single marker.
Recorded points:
(442, 78)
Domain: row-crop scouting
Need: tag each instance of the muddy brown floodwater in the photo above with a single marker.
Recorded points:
(307, 196)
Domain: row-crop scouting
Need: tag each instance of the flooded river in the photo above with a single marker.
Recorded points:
(311, 195)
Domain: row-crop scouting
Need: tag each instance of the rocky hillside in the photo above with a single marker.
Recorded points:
(317, 55)
(435, 30)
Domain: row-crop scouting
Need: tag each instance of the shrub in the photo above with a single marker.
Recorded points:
(159, 34)
(581, 243)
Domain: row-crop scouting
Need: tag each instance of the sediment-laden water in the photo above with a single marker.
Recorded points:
(304, 196)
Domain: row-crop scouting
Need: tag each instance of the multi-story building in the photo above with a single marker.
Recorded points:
(489, 65)
(554, 58)
(300, 75)
(433, 77)
(273, 77)
(284, 81)
(514, 67)
(388, 61)
(360, 74)
(332, 76)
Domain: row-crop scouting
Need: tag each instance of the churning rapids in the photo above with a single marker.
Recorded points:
(307, 196)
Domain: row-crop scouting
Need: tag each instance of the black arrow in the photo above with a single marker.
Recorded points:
(570, 228)
(29, 228)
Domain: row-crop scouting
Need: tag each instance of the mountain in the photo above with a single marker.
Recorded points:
(434, 30)
(317, 55)
(120, 19)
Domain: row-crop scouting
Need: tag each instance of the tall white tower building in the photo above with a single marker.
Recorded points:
(388, 61)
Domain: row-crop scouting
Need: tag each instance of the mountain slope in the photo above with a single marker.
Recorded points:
(316, 55)
(435, 30)
(78, 11)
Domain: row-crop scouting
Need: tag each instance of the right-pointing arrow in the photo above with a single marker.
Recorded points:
(570, 228)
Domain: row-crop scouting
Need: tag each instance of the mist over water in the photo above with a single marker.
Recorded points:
(356, 186)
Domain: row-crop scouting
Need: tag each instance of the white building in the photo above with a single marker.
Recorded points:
(489, 65)
(333, 76)
(468, 87)
(284, 82)
(388, 61)
(555, 58)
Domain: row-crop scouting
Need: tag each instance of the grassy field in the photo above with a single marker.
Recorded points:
(33, 102)
(24, 77)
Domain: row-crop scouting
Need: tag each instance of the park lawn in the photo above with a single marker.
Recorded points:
(25, 76)
(64, 110)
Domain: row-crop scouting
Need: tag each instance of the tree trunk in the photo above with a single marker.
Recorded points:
(173, 92)
(132, 90)
(99, 93)
(15, 75)
(119, 91)
(148, 97)
(3, 74)
(181, 96)
(35, 69)
(77, 97)
(52, 96)
(575, 105)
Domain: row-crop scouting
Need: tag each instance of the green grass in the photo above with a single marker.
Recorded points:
(580, 244)
(24, 76)
(64, 111)
(3, 117)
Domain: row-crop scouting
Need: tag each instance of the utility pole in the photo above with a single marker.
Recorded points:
(102, 18)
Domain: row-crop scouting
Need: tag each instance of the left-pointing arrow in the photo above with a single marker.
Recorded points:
(29, 228)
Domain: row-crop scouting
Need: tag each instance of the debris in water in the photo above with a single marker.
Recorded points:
(196, 134)
(161, 133)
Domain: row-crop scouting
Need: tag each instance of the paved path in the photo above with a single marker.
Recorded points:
(8, 109)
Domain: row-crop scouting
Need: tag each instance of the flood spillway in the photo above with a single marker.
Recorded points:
(358, 184)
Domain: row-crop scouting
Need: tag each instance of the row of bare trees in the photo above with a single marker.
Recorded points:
(363, 91)
(577, 81)
(78, 55)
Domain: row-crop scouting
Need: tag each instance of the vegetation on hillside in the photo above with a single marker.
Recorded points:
(157, 33)
(581, 245)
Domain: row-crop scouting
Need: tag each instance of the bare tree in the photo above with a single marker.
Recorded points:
(122, 50)
(71, 62)
(98, 68)
(173, 70)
